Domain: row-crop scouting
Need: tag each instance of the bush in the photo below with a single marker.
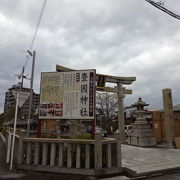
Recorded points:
(47, 136)
(84, 136)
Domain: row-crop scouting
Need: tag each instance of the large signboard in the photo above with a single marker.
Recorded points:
(67, 95)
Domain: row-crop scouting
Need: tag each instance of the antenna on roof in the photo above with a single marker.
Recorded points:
(21, 77)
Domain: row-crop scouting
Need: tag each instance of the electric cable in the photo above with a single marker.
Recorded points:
(12, 48)
(37, 27)
(35, 33)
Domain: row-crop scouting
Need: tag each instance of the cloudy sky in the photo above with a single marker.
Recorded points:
(116, 37)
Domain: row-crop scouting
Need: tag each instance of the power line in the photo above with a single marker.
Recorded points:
(39, 20)
(160, 5)
(35, 33)
(12, 48)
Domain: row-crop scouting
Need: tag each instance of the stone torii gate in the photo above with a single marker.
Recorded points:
(119, 89)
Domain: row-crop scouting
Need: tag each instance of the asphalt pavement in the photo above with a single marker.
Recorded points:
(173, 176)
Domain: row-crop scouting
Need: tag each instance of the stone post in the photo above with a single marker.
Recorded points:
(109, 155)
(60, 159)
(9, 142)
(6, 138)
(117, 136)
(44, 154)
(52, 154)
(78, 156)
(69, 156)
(36, 153)
(121, 121)
(20, 148)
(28, 153)
(97, 150)
(168, 118)
(87, 158)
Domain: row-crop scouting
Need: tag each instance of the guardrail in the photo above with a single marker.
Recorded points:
(99, 156)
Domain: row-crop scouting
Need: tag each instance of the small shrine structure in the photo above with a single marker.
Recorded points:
(141, 134)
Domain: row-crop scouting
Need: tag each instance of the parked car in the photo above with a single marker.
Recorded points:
(102, 131)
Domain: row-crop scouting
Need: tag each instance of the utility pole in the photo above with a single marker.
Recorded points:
(31, 90)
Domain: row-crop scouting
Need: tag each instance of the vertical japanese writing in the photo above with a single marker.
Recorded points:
(84, 98)
(91, 94)
(67, 95)
(77, 77)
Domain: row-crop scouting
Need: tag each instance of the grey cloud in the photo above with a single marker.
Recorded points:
(123, 38)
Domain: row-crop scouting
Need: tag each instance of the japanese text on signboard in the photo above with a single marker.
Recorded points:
(67, 95)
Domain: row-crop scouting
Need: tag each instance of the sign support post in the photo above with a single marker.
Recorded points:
(14, 132)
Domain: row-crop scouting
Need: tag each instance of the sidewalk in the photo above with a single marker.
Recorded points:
(142, 161)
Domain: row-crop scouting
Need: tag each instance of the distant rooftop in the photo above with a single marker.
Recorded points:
(175, 108)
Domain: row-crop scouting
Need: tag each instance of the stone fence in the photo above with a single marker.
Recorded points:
(100, 156)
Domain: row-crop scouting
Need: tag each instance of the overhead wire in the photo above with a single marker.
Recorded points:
(35, 32)
(37, 27)
(33, 40)
(12, 48)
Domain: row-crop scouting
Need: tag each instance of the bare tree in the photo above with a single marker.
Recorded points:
(106, 108)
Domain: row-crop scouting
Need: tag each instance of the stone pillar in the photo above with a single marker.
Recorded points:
(117, 135)
(108, 156)
(87, 158)
(69, 157)
(28, 153)
(20, 148)
(61, 151)
(78, 156)
(168, 118)
(52, 154)
(121, 121)
(97, 151)
(36, 153)
(44, 154)
(9, 148)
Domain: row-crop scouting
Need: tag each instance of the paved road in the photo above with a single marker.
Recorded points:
(174, 176)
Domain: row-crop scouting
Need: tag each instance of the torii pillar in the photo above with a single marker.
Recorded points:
(121, 121)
